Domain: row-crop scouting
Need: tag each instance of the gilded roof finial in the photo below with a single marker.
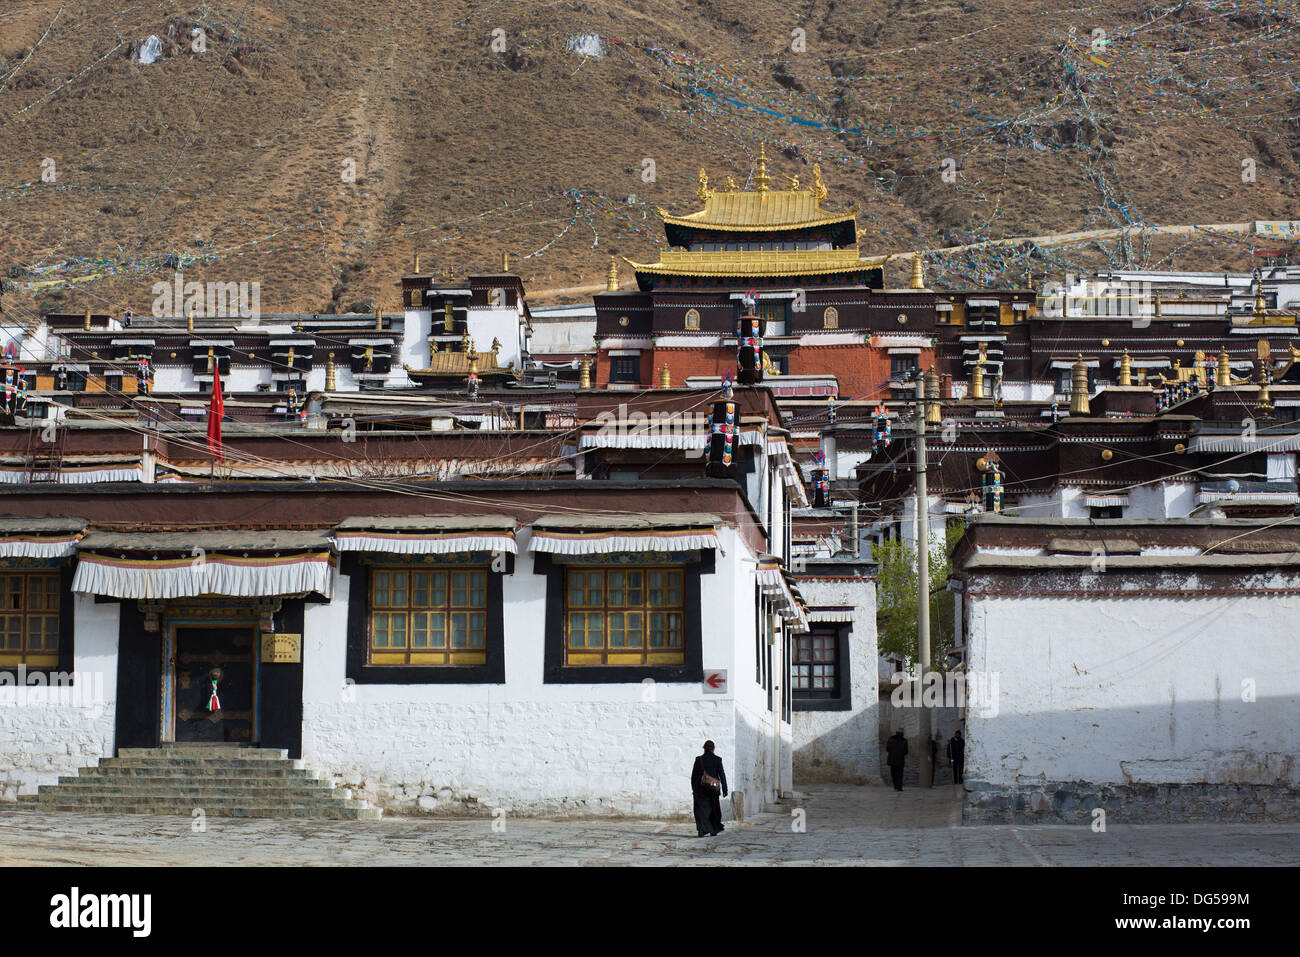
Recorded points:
(86, 325)
(1079, 387)
(1223, 375)
(977, 375)
(417, 264)
(793, 181)
(818, 187)
(731, 184)
(584, 375)
(703, 191)
(665, 377)
(505, 262)
(379, 318)
(918, 277)
(189, 320)
(330, 382)
(1125, 369)
(611, 280)
(760, 177)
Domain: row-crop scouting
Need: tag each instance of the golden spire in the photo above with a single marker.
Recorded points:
(918, 277)
(330, 383)
(379, 319)
(448, 318)
(1079, 387)
(932, 415)
(189, 319)
(505, 262)
(977, 376)
(86, 324)
(611, 281)
(760, 176)
(584, 374)
(665, 378)
(703, 191)
(1125, 369)
(1223, 376)
(818, 187)
(417, 264)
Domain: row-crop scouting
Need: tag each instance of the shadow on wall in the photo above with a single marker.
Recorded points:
(1166, 763)
(845, 754)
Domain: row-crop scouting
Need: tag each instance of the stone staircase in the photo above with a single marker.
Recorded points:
(224, 780)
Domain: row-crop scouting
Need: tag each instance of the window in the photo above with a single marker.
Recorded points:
(1106, 511)
(901, 367)
(428, 615)
(773, 310)
(624, 616)
(814, 668)
(30, 632)
(623, 368)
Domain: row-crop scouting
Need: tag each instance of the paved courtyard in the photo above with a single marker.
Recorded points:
(844, 825)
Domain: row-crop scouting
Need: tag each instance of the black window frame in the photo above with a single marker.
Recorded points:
(359, 670)
(842, 698)
(624, 369)
(554, 669)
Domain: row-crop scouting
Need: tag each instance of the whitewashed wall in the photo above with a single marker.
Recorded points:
(528, 746)
(1136, 690)
(842, 745)
(48, 732)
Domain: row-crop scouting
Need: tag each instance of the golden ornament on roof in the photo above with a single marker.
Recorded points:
(703, 191)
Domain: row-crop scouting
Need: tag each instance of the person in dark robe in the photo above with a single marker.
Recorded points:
(708, 810)
(895, 753)
(957, 755)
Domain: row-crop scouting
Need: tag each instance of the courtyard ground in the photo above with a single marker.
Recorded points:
(843, 824)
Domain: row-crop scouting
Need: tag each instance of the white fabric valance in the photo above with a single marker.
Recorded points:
(206, 574)
(983, 302)
(565, 542)
(830, 614)
(772, 581)
(424, 542)
(1105, 501)
(76, 475)
(38, 546)
(1239, 443)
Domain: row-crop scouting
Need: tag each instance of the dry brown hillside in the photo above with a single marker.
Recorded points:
(231, 161)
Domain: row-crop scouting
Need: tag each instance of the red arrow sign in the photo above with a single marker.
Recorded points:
(715, 680)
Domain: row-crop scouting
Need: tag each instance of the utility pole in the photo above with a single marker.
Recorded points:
(924, 761)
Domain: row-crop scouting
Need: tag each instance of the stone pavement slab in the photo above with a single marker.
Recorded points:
(841, 825)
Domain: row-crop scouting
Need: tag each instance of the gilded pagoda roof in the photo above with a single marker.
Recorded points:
(766, 211)
(760, 209)
(793, 262)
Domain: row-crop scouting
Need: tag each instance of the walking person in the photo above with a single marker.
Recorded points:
(708, 780)
(896, 751)
(957, 755)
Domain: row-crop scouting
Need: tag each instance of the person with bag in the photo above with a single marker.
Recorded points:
(708, 781)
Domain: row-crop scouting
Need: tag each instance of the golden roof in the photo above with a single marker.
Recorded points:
(457, 364)
(794, 262)
(773, 209)
(762, 208)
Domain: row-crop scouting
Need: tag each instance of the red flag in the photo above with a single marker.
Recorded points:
(216, 409)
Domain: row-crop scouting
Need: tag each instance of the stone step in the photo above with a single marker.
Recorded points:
(235, 785)
(207, 801)
(224, 780)
(222, 751)
(350, 811)
(183, 763)
(143, 773)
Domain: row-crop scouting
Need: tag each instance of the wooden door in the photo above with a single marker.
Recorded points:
(225, 654)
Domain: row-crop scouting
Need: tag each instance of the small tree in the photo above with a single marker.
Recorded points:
(896, 606)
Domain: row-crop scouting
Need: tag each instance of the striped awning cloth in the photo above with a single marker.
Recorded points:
(426, 534)
(603, 534)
